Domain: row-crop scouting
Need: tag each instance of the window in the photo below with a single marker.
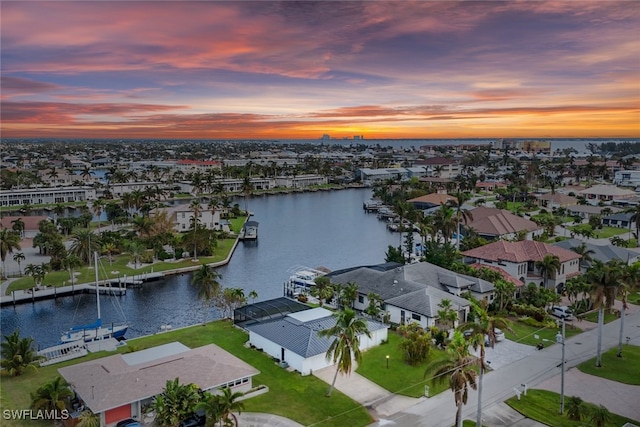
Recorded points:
(416, 316)
(360, 299)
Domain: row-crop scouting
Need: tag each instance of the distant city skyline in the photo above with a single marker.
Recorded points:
(298, 70)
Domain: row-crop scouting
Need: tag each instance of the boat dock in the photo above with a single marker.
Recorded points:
(249, 231)
(73, 350)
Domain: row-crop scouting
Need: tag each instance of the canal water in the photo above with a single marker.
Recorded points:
(320, 229)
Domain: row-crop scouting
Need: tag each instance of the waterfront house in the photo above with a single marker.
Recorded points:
(182, 217)
(293, 339)
(119, 387)
(492, 224)
(432, 200)
(413, 292)
(48, 196)
(519, 260)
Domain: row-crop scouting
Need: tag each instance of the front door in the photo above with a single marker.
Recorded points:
(282, 354)
(402, 317)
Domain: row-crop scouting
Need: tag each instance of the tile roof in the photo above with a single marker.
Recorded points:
(498, 222)
(30, 222)
(524, 251)
(433, 198)
(506, 276)
(608, 190)
(110, 382)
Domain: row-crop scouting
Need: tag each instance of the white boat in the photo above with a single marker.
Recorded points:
(301, 279)
(249, 231)
(94, 331)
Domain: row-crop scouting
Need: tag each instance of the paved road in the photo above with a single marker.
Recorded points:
(532, 370)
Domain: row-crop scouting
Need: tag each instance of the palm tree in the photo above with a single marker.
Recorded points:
(228, 403)
(210, 404)
(460, 215)
(547, 266)
(322, 289)
(483, 332)
(575, 408)
(458, 368)
(444, 220)
(18, 225)
(447, 315)
(635, 217)
(9, 240)
(600, 416)
(17, 354)
(349, 294)
(19, 257)
(604, 279)
(175, 403)
(584, 252)
(253, 295)
(88, 419)
(52, 396)
(83, 244)
(247, 190)
(206, 279)
(346, 344)
(97, 207)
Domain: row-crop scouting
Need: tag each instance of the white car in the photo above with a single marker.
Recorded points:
(499, 336)
(562, 311)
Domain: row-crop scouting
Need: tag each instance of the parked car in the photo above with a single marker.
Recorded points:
(129, 422)
(562, 311)
(198, 419)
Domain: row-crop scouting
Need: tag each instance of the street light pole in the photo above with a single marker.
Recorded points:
(561, 338)
(387, 361)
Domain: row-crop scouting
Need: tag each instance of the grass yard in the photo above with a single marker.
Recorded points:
(634, 298)
(544, 406)
(119, 265)
(301, 398)
(601, 233)
(525, 334)
(400, 377)
(609, 316)
(625, 369)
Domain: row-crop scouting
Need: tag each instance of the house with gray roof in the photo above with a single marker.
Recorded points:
(413, 292)
(294, 340)
(604, 253)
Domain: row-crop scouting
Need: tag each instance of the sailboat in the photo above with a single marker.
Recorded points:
(94, 331)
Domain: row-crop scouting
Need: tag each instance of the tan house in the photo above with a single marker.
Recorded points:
(182, 217)
(519, 259)
(118, 387)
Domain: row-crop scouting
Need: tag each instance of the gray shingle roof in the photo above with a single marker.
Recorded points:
(602, 253)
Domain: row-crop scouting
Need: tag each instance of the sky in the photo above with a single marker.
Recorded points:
(301, 69)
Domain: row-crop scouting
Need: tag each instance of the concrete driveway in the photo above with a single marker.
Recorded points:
(505, 353)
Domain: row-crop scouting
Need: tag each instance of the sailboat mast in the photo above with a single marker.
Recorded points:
(95, 265)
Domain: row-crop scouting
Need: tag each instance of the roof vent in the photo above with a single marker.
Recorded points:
(395, 282)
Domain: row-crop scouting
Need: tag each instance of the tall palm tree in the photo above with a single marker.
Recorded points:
(349, 294)
(83, 244)
(97, 207)
(547, 266)
(52, 396)
(18, 225)
(346, 343)
(322, 289)
(9, 240)
(206, 279)
(458, 368)
(460, 214)
(604, 279)
(19, 257)
(17, 354)
(447, 315)
(635, 217)
(247, 190)
(483, 333)
(444, 220)
(584, 252)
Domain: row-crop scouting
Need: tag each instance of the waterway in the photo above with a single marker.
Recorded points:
(324, 228)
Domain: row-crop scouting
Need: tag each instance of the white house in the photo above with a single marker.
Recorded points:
(53, 195)
(182, 216)
(627, 178)
(294, 338)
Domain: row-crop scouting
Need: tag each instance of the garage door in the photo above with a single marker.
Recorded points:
(118, 414)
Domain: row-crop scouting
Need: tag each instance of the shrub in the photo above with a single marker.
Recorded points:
(528, 310)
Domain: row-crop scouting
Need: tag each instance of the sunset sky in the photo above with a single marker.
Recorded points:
(280, 70)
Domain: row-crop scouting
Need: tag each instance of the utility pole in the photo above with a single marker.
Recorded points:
(560, 338)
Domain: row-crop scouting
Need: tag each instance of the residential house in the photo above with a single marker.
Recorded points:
(31, 223)
(440, 167)
(627, 178)
(519, 260)
(294, 340)
(118, 387)
(604, 253)
(413, 292)
(182, 217)
(587, 211)
(432, 200)
(50, 196)
(555, 200)
(619, 220)
(492, 224)
(605, 193)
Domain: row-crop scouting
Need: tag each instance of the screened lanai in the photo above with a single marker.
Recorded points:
(266, 310)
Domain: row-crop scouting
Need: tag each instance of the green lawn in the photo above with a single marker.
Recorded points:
(525, 334)
(602, 233)
(625, 369)
(544, 406)
(593, 316)
(119, 268)
(634, 298)
(301, 398)
(400, 377)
